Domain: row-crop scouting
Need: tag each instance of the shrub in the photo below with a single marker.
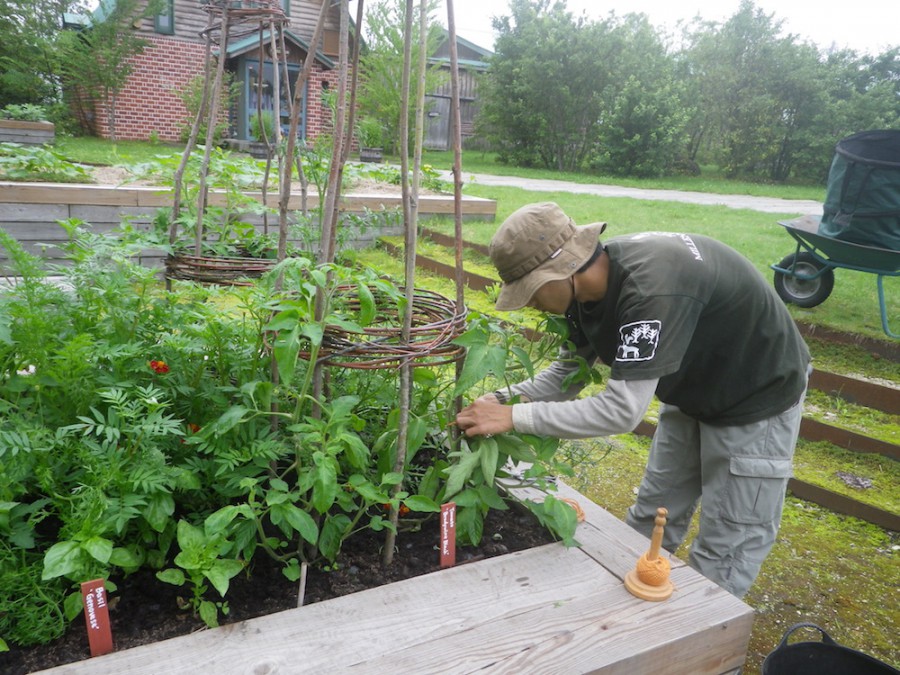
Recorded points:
(24, 113)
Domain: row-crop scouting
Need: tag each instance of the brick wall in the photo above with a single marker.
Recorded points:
(150, 103)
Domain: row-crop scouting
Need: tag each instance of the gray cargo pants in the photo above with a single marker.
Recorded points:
(737, 474)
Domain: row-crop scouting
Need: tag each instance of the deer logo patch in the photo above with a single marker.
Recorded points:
(638, 341)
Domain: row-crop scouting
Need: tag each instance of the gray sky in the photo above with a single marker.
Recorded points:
(871, 26)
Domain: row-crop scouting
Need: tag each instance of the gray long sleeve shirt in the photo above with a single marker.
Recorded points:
(617, 409)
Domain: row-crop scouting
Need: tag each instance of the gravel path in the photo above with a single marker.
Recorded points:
(764, 204)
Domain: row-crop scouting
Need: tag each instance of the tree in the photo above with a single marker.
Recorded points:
(28, 67)
(542, 95)
(97, 61)
(769, 107)
(381, 67)
(644, 115)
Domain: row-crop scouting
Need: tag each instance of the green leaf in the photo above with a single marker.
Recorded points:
(333, 532)
(171, 576)
(392, 478)
(325, 486)
(523, 359)
(221, 572)
(481, 360)
(287, 348)
(515, 448)
(422, 504)
(468, 497)
(469, 526)
(489, 456)
(73, 605)
(209, 614)
(219, 520)
(371, 494)
(490, 498)
(292, 570)
(98, 548)
(301, 521)
(461, 471)
(159, 510)
(62, 558)
(124, 558)
(315, 332)
(366, 304)
(342, 406)
(283, 321)
(229, 419)
(190, 538)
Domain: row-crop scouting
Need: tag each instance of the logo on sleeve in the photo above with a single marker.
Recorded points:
(638, 341)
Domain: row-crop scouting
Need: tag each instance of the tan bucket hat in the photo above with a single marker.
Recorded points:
(536, 244)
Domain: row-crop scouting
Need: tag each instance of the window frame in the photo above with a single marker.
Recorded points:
(169, 14)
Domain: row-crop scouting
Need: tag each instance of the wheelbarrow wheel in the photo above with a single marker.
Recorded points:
(804, 292)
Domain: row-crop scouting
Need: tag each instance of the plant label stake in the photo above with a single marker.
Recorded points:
(448, 534)
(96, 616)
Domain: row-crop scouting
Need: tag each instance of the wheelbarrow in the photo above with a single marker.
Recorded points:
(859, 228)
(806, 277)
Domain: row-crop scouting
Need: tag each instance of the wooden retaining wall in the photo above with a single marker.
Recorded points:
(31, 211)
(27, 133)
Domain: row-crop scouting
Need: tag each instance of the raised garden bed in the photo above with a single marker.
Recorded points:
(546, 609)
(27, 133)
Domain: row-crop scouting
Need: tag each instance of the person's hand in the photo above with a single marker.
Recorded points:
(485, 417)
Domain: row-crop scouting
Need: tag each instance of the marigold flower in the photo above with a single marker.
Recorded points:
(160, 367)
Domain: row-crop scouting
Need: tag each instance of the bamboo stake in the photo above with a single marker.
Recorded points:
(195, 132)
(456, 135)
(409, 199)
(210, 131)
(299, 86)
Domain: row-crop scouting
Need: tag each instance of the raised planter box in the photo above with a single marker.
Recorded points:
(30, 211)
(544, 610)
(28, 133)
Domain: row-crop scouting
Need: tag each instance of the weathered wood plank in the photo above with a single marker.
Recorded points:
(608, 632)
(27, 133)
(155, 197)
(463, 630)
(602, 536)
(10, 214)
(326, 637)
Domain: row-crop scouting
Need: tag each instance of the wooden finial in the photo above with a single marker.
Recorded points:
(650, 578)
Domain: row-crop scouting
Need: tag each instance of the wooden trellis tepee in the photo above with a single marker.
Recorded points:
(229, 22)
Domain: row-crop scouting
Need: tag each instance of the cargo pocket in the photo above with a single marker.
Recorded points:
(755, 491)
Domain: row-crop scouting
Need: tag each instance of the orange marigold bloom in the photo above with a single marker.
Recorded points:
(160, 367)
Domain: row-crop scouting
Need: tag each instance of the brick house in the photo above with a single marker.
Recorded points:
(150, 105)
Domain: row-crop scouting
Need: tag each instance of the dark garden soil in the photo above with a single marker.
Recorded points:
(145, 610)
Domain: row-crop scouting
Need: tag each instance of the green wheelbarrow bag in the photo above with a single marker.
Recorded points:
(862, 201)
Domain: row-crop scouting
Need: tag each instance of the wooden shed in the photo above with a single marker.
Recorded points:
(472, 61)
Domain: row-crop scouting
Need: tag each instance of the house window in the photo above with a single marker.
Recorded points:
(165, 20)
(286, 6)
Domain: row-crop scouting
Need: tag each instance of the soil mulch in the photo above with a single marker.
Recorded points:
(145, 610)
